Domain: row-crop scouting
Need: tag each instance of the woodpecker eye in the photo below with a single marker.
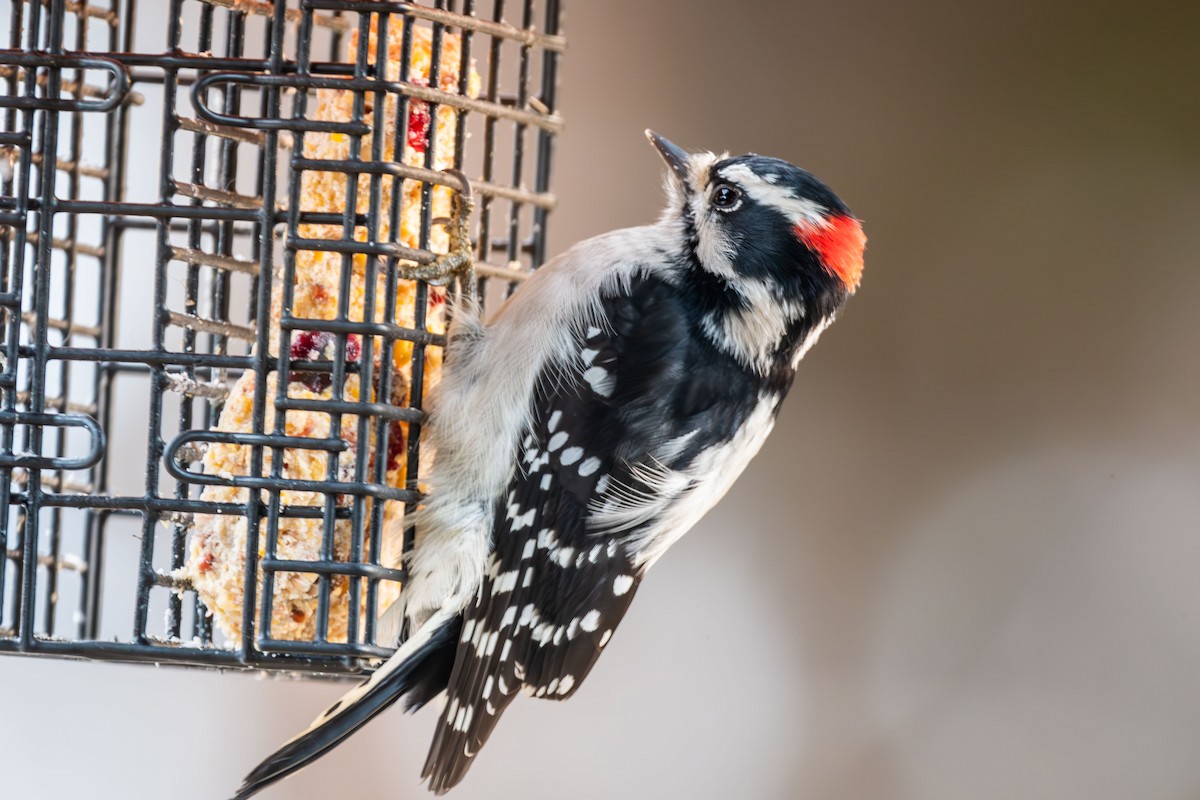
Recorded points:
(726, 197)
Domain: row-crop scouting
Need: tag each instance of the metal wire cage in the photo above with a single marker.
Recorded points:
(158, 238)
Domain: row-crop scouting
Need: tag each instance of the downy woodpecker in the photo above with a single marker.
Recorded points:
(584, 428)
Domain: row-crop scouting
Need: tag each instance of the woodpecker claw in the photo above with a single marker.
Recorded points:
(459, 259)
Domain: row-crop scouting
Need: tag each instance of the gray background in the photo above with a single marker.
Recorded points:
(965, 564)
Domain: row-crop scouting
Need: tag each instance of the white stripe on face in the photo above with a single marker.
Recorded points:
(798, 210)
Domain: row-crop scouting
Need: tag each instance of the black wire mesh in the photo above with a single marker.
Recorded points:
(156, 232)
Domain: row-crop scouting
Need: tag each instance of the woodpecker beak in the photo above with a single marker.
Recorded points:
(671, 153)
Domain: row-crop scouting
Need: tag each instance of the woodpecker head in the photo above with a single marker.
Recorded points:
(773, 237)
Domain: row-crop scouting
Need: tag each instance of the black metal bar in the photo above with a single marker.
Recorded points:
(545, 152)
(56, 60)
(275, 500)
(416, 392)
(301, 658)
(108, 300)
(16, 184)
(190, 334)
(275, 32)
(282, 80)
(519, 130)
(41, 302)
(54, 539)
(332, 568)
(154, 436)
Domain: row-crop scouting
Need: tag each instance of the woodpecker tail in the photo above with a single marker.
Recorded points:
(418, 671)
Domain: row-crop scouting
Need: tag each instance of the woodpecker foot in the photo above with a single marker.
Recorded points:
(459, 260)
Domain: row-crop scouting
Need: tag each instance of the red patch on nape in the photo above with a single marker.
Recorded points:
(839, 243)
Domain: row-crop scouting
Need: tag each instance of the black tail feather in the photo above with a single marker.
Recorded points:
(433, 675)
(418, 676)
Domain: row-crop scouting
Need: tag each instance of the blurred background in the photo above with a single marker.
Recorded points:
(964, 566)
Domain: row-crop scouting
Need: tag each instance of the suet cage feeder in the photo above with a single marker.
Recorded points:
(152, 163)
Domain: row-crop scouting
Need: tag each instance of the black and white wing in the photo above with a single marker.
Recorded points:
(607, 456)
